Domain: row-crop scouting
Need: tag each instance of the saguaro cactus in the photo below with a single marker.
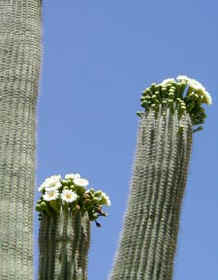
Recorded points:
(64, 243)
(149, 237)
(66, 209)
(19, 75)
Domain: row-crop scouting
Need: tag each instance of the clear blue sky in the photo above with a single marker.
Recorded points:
(97, 57)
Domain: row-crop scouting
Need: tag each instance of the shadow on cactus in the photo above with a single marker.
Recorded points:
(66, 209)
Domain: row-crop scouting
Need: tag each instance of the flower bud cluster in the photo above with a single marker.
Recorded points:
(182, 94)
(71, 193)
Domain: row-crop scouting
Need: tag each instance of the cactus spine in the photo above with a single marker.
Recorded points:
(149, 237)
(19, 68)
(64, 242)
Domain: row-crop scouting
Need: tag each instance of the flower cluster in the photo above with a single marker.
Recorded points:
(182, 94)
(71, 193)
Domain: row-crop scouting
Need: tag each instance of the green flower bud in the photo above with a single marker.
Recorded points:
(179, 100)
(180, 88)
(38, 207)
(86, 196)
(43, 205)
(171, 91)
(191, 94)
(148, 97)
(145, 104)
(163, 89)
(65, 182)
(171, 94)
(147, 92)
(170, 101)
(55, 205)
(98, 193)
(78, 207)
(139, 114)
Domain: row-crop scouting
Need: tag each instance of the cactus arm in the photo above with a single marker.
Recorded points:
(149, 237)
(151, 223)
(66, 209)
(19, 75)
(66, 246)
(148, 241)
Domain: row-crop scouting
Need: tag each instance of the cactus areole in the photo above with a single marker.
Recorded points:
(151, 223)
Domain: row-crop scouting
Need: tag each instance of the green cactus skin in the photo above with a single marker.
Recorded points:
(151, 223)
(20, 56)
(64, 242)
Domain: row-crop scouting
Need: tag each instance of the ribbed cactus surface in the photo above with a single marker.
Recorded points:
(64, 242)
(19, 75)
(149, 237)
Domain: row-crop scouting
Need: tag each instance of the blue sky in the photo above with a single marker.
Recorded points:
(97, 57)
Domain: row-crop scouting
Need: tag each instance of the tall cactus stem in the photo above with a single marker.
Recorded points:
(148, 241)
(19, 75)
(66, 238)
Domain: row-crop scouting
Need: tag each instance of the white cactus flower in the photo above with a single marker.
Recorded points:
(81, 182)
(167, 81)
(208, 98)
(51, 194)
(64, 181)
(51, 182)
(69, 196)
(182, 78)
(197, 87)
(106, 198)
(72, 176)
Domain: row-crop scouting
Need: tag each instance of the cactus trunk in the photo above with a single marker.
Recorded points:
(64, 242)
(149, 238)
(19, 76)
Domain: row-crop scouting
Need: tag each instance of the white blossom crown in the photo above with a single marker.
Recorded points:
(71, 194)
